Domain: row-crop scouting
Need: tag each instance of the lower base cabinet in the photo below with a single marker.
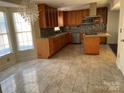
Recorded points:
(46, 47)
(103, 40)
(91, 45)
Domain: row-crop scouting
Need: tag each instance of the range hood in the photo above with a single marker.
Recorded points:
(92, 24)
(93, 9)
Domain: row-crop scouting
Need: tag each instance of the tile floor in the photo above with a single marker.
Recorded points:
(69, 71)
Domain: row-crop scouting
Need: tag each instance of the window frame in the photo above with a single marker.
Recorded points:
(16, 35)
(7, 33)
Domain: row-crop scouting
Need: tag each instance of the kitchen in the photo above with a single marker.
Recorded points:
(74, 24)
(61, 46)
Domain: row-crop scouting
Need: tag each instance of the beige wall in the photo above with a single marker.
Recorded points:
(112, 26)
(114, 4)
(17, 56)
(93, 9)
(120, 55)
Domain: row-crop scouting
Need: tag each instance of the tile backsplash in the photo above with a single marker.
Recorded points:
(46, 32)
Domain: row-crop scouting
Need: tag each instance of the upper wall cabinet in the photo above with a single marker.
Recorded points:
(75, 17)
(48, 16)
(60, 18)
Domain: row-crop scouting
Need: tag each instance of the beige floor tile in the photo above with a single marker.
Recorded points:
(69, 71)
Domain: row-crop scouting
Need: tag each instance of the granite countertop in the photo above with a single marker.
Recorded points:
(99, 35)
(75, 31)
(56, 35)
(59, 34)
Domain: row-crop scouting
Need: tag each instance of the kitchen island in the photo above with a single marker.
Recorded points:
(92, 43)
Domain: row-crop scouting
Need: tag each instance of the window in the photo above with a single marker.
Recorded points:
(4, 41)
(23, 32)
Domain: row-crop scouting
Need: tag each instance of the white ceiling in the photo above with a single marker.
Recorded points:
(8, 4)
(62, 4)
(73, 4)
(115, 5)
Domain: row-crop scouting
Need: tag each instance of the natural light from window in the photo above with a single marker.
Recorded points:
(23, 32)
(4, 41)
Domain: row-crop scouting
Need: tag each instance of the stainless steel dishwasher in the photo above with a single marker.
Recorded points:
(76, 37)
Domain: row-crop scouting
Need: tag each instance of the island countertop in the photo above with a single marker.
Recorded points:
(99, 35)
(92, 42)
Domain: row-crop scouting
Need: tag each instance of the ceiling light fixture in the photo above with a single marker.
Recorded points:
(29, 10)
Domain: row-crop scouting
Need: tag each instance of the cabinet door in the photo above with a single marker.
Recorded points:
(51, 46)
(43, 48)
(60, 18)
(56, 17)
(70, 38)
(49, 17)
(103, 40)
(42, 16)
(52, 17)
(56, 45)
(91, 45)
(60, 41)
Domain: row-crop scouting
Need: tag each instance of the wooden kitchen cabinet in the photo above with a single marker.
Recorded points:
(75, 17)
(46, 47)
(91, 45)
(60, 18)
(43, 48)
(103, 40)
(69, 38)
(51, 46)
(48, 16)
